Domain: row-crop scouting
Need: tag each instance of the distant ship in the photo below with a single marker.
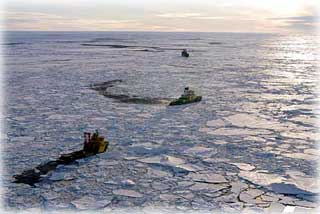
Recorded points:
(184, 53)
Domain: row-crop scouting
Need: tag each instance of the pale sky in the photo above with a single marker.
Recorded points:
(162, 15)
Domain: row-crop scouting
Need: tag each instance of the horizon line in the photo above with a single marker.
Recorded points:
(145, 31)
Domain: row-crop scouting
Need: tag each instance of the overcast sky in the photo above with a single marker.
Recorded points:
(162, 15)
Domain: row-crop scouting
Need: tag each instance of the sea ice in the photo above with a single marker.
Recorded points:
(199, 150)
(304, 156)
(234, 131)
(128, 193)
(158, 173)
(90, 203)
(216, 123)
(260, 178)
(244, 166)
(252, 121)
(169, 197)
(127, 182)
(58, 176)
(177, 165)
(208, 187)
(207, 177)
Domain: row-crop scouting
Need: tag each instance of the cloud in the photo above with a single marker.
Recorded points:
(210, 17)
(162, 28)
(299, 22)
(44, 21)
(305, 19)
(189, 16)
(200, 16)
(179, 15)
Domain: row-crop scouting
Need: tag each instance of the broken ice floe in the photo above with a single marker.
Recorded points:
(244, 166)
(298, 184)
(260, 178)
(58, 176)
(216, 123)
(234, 131)
(127, 193)
(90, 203)
(207, 177)
(200, 151)
(176, 165)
